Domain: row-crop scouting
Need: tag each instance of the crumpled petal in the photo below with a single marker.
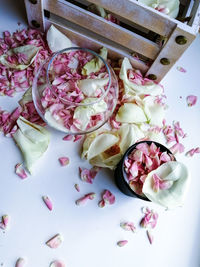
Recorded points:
(57, 40)
(83, 200)
(108, 197)
(192, 151)
(191, 100)
(55, 241)
(33, 141)
(174, 196)
(88, 175)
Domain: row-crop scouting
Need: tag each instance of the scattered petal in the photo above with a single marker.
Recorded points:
(82, 201)
(177, 148)
(55, 241)
(191, 100)
(150, 218)
(48, 202)
(88, 175)
(64, 161)
(57, 263)
(128, 226)
(20, 262)
(192, 151)
(181, 69)
(108, 197)
(68, 137)
(77, 187)
(19, 170)
(122, 243)
(5, 220)
(102, 204)
(150, 236)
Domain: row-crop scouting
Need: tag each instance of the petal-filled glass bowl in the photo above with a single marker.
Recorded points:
(75, 91)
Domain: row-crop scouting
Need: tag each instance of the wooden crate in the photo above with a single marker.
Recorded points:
(137, 33)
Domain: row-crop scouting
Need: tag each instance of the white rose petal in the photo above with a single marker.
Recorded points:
(131, 113)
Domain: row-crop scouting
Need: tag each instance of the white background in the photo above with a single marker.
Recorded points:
(90, 233)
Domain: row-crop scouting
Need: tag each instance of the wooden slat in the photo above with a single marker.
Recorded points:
(34, 10)
(171, 51)
(83, 39)
(103, 27)
(140, 14)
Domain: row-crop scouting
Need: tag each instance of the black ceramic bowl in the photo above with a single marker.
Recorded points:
(120, 174)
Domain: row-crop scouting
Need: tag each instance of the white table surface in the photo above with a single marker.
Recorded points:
(90, 233)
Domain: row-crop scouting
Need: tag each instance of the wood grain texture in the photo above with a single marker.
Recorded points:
(171, 51)
(35, 13)
(140, 14)
(79, 38)
(103, 27)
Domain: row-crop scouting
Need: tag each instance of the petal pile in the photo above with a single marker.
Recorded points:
(107, 198)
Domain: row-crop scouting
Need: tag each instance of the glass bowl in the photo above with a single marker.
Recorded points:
(75, 91)
(120, 173)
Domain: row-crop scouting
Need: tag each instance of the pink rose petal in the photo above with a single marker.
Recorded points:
(77, 187)
(48, 202)
(191, 100)
(55, 241)
(128, 226)
(150, 236)
(19, 170)
(122, 243)
(88, 175)
(108, 197)
(5, 220)
(57, 263)
(64, 161)
(20, 262)
(150, 218)
(102, 204)
(68, 137)
(177, 148)
(181, 69)
(83, 200)
(192, 151)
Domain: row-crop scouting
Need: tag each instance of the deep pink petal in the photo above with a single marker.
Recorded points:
(191, 100)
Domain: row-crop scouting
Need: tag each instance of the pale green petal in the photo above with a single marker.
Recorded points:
(29, 50)
(129, 134)
(110, 162)
(174, 196)
(90, 86)
(57, 40)
(101, 143)
(131, 113)
(84, 113)
(132, 88)
(33, 141)
(95, 64)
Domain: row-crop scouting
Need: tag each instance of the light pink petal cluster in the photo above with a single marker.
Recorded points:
(141, 161)
(55, 241)
(107, 198)
(88, 175)
(181, 69)
(48, 202)
(20, 171)
(150, 218)
(173, 134)
(191, 100)
(83, 200)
